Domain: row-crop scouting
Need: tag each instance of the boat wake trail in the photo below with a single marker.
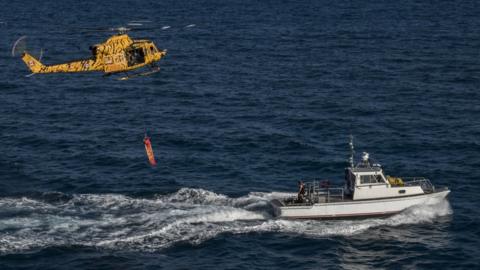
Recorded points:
(114, 221)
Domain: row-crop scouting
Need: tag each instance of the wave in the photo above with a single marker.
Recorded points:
(114, 221)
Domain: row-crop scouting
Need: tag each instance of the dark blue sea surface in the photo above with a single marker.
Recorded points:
(255, 96)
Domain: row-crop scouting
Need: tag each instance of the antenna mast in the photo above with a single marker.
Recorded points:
(352, 151)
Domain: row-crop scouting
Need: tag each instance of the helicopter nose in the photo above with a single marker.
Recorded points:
(159, 55)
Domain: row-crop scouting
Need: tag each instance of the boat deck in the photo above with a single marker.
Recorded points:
(328, 198)
(320, 192)
(318, 198)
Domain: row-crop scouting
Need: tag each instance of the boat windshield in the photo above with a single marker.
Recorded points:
(371, 179)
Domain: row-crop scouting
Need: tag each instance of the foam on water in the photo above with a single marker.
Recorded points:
(114, 221)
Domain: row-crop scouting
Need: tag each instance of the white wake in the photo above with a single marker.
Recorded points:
(114, 221)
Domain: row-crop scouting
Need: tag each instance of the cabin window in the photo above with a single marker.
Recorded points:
(370, 179)
(401, 191)
(135, 56)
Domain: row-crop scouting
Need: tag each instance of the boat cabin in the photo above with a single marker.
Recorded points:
(367, 181)
(364, 181)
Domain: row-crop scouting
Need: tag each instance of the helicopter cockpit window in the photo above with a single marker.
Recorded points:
(153, 50)
(94, 50)
(135, 56)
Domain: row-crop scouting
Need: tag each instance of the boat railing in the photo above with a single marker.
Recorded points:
(317, 191)
(321, 191)
(423, 182)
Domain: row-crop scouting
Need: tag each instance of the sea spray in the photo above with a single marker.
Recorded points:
(115, 221)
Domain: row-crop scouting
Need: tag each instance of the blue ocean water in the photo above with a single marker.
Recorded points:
(256, 96)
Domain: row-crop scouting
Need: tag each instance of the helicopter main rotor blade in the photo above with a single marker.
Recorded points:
(132, 26)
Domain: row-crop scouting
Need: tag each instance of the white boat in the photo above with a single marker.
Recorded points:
(367, 192)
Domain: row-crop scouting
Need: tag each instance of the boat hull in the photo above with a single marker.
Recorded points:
(355, 209)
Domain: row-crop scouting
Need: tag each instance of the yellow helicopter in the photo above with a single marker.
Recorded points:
(117, 54)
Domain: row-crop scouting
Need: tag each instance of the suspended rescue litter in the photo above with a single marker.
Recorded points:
(149, 150)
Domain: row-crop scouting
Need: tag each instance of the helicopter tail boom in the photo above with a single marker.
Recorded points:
(32, 63)
(76, 66)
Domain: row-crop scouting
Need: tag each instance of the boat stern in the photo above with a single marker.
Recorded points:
(277, 207)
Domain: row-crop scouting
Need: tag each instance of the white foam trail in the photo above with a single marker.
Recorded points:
(140, 21)
(190, 25)
(165, 27)
(189, 215)
(201, 196)
(414, 215)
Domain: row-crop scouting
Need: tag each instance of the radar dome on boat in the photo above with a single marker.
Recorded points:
(365, 156)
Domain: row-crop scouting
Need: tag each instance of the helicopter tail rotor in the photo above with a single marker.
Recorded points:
(32, 63)
(20, 46)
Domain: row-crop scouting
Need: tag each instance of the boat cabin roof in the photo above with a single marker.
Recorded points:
(375, 169)
(366, 173)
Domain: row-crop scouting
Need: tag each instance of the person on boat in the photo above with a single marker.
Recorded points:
(325, 184)
(301, 191)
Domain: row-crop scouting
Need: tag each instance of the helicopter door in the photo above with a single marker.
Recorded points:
(135, 56)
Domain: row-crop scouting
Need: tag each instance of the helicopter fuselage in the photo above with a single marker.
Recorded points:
(118, 54)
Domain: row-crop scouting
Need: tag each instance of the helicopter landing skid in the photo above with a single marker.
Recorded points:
(150, 72)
